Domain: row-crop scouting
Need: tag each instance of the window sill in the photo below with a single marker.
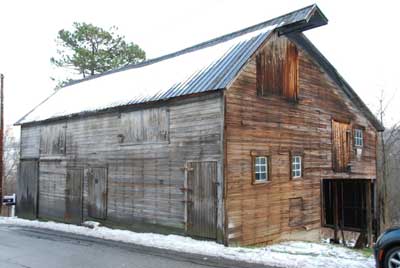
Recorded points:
(260, 182)
(52, 157)
(270, 96)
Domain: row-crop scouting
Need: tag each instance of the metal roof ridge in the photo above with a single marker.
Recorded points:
(202, 45)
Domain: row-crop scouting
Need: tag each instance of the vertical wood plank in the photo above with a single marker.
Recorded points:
(97, 193)
(27, 189)
(202, 202)
(369, 213)
(73, 196)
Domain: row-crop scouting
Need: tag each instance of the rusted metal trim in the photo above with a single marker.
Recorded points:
(183, 189)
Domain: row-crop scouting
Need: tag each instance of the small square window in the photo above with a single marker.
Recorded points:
(296, 166)
(358, 137)
(260, 169)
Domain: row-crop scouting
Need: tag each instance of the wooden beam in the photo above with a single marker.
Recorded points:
(369, 213)
(1, 137)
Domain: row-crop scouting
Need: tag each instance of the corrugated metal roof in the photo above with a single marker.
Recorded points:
(204, 67)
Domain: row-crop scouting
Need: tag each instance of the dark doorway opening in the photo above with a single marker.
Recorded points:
(347, 203)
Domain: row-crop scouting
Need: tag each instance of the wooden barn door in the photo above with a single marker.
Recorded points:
(97, 193)
(202, 199)
(73, 195)
(341, 146)
(27, 189)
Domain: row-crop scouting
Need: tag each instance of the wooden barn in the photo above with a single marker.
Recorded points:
(249, 138)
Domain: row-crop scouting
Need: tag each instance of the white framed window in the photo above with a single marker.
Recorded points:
(358, 137)
(296, 166)
(260, 169)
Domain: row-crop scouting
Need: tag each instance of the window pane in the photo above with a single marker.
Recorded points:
(261, 176)
(296, 166)
(258, 169)
(358, 137)
(261, 168)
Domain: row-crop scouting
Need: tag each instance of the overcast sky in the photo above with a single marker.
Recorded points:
(361, 38)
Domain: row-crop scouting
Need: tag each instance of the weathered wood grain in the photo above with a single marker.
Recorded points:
(73, 195)
(97, 192)
(27, 188)
(30, 142)
(202, 199)
(144, 176)
(259, 214)
(52, 189)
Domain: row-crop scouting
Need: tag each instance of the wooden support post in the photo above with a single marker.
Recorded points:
(335, 211)
(1, 138)
(369, 213)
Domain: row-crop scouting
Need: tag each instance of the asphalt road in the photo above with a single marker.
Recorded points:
(34, 248)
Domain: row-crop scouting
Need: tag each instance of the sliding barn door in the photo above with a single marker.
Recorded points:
(97, 193)
(73, 196)
(202, 199)
(27, 189)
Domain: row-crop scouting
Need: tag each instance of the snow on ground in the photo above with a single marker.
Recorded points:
(287, 254)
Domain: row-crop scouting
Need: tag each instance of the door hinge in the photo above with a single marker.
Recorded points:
(183, 189)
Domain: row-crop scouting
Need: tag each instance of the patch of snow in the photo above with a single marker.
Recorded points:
(287, 254)
(91, 224)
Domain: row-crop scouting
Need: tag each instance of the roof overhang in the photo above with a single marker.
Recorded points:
(314, 19)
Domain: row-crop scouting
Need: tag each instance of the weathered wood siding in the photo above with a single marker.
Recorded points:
(202, 199)
(97, 193)
(27, 189)
(275, 127)
(52, 188)
(144, 152)
(30, 142)
(52, 139)
(74, 195)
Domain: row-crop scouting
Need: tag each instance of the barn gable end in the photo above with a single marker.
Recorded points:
(240, 139)
(271, 125)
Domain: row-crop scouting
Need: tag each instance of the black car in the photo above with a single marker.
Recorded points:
(387, 249)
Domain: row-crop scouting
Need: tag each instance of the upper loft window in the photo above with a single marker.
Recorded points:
(277, 70)
(358, 137)
(53, 139)
(341, 140)
(145, 126)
